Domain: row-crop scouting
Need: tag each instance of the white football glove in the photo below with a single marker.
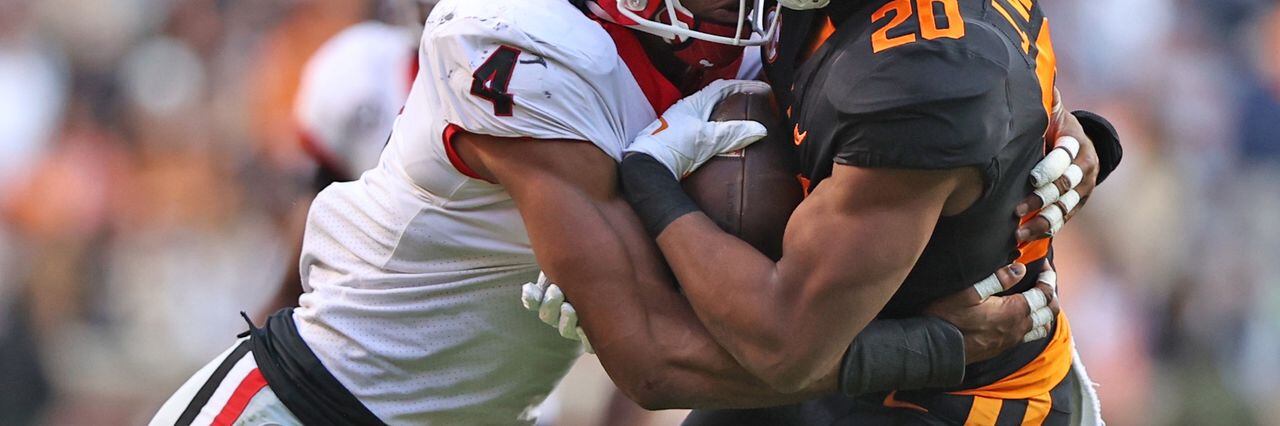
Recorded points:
(683, 138)
(803, 4)
(546, 299)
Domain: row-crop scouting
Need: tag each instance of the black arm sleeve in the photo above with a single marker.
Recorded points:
(653, 193)
(905, 354)
(1105, 139)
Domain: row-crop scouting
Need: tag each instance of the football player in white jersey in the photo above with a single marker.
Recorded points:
(503, 162)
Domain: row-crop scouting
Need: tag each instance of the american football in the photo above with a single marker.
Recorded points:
(750, 193)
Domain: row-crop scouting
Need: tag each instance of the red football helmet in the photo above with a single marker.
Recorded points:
(672, 21)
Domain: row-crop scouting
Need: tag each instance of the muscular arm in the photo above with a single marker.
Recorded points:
(587, 238)
(846, 250)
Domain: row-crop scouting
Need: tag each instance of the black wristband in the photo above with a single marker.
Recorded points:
(905, 354)
(655, 195)
(1105, 140)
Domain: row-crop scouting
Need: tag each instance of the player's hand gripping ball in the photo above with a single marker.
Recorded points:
(685, 137)
(749, 193)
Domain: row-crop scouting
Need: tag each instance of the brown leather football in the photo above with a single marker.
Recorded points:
(751, 193)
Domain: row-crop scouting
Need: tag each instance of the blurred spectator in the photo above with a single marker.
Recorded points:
(32, 79)
(1260, 109)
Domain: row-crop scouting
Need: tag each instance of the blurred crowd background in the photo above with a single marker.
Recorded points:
(152, 186)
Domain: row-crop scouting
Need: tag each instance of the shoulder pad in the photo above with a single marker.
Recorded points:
(930, 104)
(521, 69)
(923, 72)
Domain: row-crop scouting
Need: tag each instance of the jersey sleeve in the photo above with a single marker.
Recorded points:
(923, 106)
(495, 79)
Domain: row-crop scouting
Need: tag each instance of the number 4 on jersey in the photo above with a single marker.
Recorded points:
(490, 80)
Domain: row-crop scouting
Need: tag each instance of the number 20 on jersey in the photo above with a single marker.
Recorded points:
(930, 28)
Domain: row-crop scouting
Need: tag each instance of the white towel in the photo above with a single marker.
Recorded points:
(1088, 411)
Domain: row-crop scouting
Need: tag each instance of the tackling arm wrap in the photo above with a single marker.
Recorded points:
(914, 353)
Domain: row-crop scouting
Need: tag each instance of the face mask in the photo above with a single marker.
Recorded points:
(656, 16)
(707, 60)
(701, 54)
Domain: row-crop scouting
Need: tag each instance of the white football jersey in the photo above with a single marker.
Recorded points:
(350, 93)
(413, 272)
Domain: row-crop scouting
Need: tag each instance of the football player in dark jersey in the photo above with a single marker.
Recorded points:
(918, 122)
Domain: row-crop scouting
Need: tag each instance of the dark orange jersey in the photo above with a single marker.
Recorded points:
(933, 84)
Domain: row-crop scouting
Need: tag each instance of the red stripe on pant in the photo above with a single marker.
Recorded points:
(248, 387)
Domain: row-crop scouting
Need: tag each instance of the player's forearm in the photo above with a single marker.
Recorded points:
(733, 287)
(728, 281)
(906, 354)
(751, 308)
(590, 241)
(845, 253)
(668, 360)
(643, 330)
(886, 355)
(758, 314)
(689, 369)
(730, 387)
